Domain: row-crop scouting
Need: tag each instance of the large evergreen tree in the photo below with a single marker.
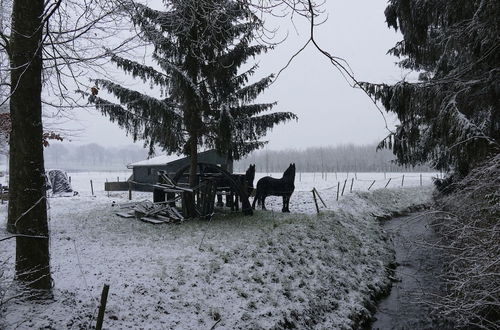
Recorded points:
(450, 116)
(199, 48)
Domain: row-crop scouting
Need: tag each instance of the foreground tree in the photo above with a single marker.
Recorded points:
(27, 205)
(50, 37)
(450, 116)
(199, 47)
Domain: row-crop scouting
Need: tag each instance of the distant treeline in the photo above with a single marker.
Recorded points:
(92, 156)
(344, 158)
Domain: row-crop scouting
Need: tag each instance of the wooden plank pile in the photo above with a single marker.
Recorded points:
(148, 211)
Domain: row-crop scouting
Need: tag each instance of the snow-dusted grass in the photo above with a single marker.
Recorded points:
(271, 270)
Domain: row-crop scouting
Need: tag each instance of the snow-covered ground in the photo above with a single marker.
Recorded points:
(271, 270)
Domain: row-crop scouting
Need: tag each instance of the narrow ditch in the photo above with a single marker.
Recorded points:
(416, 276)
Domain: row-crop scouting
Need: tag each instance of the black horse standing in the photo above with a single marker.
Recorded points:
(276, 187)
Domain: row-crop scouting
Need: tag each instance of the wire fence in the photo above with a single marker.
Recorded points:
(316, 191)
(331, 187)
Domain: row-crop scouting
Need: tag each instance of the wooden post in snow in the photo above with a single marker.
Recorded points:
(371, 184)
(343, 187)
(403, 180)
(352, 183)
(319, 196)
(102, 307)
(315, 200)
(130, 191)
(91, 187)
(387, 183)
(338, 189)
(420, 179)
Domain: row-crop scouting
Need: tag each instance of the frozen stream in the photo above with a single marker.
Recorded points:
(416, 274)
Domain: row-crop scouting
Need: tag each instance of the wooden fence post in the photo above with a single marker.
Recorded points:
(420, 179)
(91, 187)
(315, 201)
(102, 307)
(371, 184)
(387, 182)
(338, 189)
(403, 180)
(352, 183)
(319, 196)
(343, 187)
(129, 191)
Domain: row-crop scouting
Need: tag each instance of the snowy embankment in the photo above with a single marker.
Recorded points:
(271, 270)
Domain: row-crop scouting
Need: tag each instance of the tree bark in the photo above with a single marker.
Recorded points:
(193, 154)
(27, 204)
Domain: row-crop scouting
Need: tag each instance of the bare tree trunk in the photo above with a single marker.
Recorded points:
(27, 204)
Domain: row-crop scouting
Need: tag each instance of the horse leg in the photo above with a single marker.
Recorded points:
(220, 203)
(231, 199)
(284, 204)
(263, 200)
(287, 204)
(255, 199)
(237, 201)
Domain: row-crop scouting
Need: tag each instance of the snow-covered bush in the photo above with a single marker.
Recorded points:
(470, 230)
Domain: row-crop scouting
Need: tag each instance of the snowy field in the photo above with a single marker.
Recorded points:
(271, 270)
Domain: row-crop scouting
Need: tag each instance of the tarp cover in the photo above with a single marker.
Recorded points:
(59, 182)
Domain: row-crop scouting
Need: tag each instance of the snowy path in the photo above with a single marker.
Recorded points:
(417, 276)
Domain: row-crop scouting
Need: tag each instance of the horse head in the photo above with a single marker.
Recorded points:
(289, 174)
(250, 175)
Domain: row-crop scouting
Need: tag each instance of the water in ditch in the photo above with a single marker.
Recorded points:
(419, 262)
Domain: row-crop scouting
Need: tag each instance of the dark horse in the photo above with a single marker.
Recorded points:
(246, 182)
(249, 177)
(276, 187)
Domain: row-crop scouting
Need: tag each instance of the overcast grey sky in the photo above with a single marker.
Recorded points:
(330, 111)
